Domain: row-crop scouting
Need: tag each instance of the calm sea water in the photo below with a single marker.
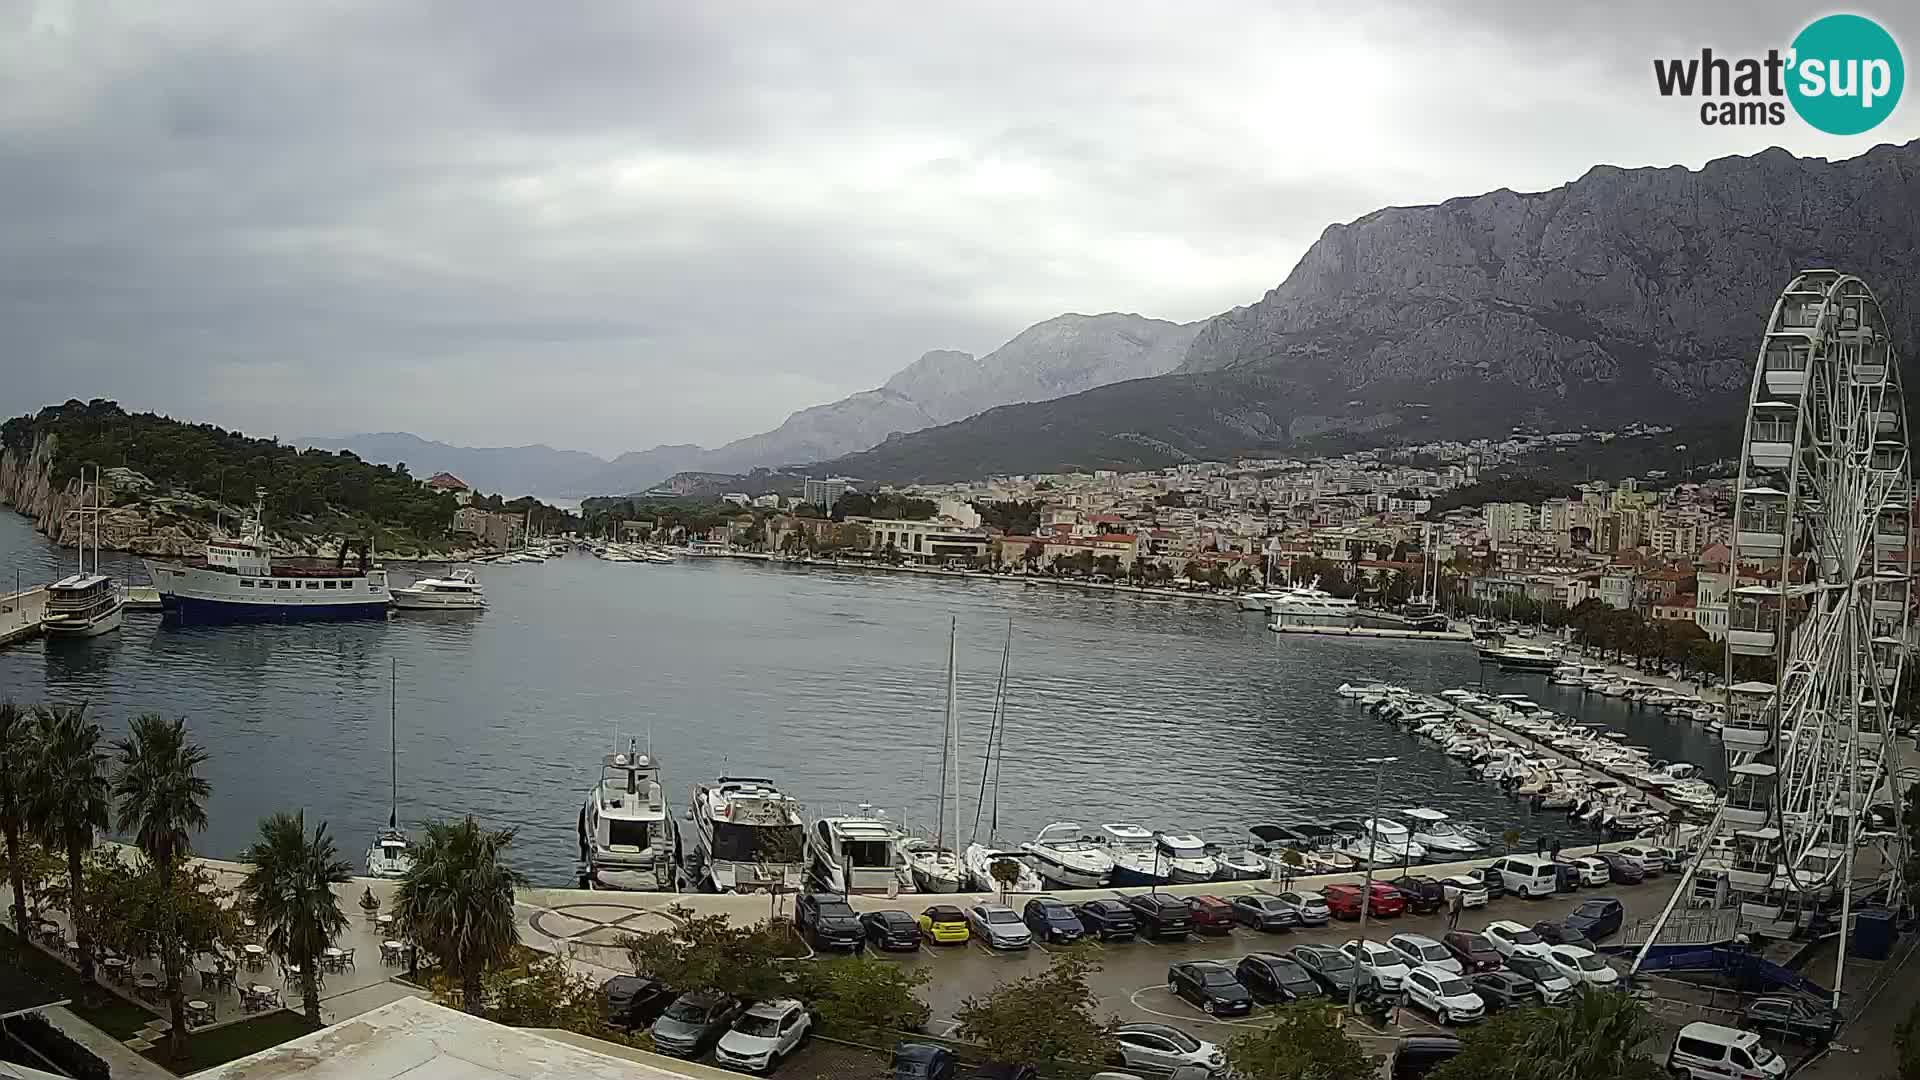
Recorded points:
(1165, 712)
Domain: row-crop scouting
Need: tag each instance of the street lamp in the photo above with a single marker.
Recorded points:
(1366, 891)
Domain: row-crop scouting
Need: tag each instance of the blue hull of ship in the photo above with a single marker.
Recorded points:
(1126, 876)
(189, 611)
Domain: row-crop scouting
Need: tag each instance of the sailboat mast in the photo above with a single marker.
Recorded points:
(393, 740)
(953, 721)
(1000, 732)
(946, 738)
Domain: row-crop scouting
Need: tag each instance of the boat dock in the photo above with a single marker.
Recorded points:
(20, 615)
(1369, 632)
(1592, 772)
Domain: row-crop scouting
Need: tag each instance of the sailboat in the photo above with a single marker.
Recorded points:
(935, 867)
(980, 858)
(391, 854)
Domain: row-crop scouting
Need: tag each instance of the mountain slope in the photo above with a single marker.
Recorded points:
(1626, 294)
(508, 470)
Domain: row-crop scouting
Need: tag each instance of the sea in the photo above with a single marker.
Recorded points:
(1171, 713)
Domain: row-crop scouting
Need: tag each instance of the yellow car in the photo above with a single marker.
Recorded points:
(943, 924)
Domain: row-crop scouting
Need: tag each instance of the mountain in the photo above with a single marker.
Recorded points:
(1628, 294)
(506, 470)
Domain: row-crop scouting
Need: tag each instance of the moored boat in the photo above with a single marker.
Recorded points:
(238, 580)
(458, 591)
(626, 840)
(1069, 858)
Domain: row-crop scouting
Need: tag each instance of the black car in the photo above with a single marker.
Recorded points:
(1000, 1070)
(1566, 877)
(1051, 920)
(1108, 920)
(1423, 894)
(1598, 917)
(1332, 969)
(1793, 1017)
(1474, 951)
(891, 929)
(830, 921)
(1504, 990)
(1554, 933)
(630, 1002)
(1418, 1055)
(1623, 870)
(694, 1022)
(1264, 913)
(922, 1061)
(1210, 985)
(1274, 979)
(1161, 915)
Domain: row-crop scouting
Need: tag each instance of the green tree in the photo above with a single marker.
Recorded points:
(545, 992)
(137, 906)
(1005, 872)
(457, 902)
(862, 998)
(66, 801)
(162, 798)
(710, 953)
(1044, 1018)
(289, 888)
(16, 734)
(1304, 1042)
(1596, 1039)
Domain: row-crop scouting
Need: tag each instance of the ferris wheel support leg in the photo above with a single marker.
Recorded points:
(1846, 915)
(1679, 890)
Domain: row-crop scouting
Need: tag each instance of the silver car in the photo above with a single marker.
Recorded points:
(1160, 1049)
(999, 926)
(1310, 906)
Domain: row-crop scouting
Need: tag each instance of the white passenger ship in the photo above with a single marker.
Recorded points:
(238, 581)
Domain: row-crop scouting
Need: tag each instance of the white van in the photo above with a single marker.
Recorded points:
(1527, 875)
(1712, 1052)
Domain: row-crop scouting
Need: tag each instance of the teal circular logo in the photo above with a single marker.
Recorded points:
(1846, 74)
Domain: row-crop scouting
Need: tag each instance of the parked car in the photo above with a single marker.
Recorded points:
(1553, 987)
(1512, 939)
(1330, 967)
(1108, 920)
(694, 1022)
(1418, 1055)
(1274, 979)
(1159, 1048)
(1050, 920)
(1422, 951)
(1161, 915)
(1471, 890)
(1260, 912)
(829, 921)
(1622, 870)
(1343, 901)
(1382, 966)
(1525, 875)
(1211, 915)
(891, 929)
(1504, 990)
(944, 924)
(1554, 933)
(764, 1035)
(631, 1002)
(1593, 871)
(998, 926)
(1652, 860)
(1489, 878)
(1444, 994)
(1422, 894)
(1598, 918)
(1210, 985)
(1582, 966)
(922, 1061)
(1310, 906)
(1710, 1051)
(1006, 1070)
(1568, 877)
(1474, 951)
(1791, 1016)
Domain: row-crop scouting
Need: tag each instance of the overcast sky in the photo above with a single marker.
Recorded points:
(607, 226)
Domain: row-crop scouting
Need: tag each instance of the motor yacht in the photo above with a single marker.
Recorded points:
(1237, 862)
(1520, 657)
(980, 860)
(1309, 605)
(1141, 857)
(1255, 601)
(626, 841)
(457, 591)
(1384, 842)
(1314, 850)
(1434, 831)
(747, 837)
(858, 854)
(1069, 858)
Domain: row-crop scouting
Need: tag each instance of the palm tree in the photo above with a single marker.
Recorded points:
(289, 890)
(163, 798)
(66, 797)
(16, 735)
(457, 901)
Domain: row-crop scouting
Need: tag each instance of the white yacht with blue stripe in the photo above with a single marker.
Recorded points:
(238, 581)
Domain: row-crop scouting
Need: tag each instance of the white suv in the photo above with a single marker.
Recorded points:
(1385, 967)
(1444, 994)
(1582, 966)
(763, 1035)
(1510, 937)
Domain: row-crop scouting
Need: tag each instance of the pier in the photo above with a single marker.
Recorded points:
(1369, 632)
(20, 614)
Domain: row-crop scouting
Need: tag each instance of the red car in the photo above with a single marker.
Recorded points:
(1343, 901)
(1211, 915)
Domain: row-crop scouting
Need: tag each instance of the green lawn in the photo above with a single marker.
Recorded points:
(109, 1012)
(217, 1046)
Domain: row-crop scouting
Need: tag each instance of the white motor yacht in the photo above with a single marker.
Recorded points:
(1141, 857)
(1068, 858)
(1440, 836)
(858, 854)
(458, 591)
(1255, 601)
(748, 836)
(625, 838)
(1384, 842)
(1309, 605)
(980, 860)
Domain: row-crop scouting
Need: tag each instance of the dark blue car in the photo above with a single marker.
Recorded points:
(1052, 921)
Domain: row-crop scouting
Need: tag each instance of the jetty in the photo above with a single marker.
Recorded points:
(20, 614)
(1369, 632)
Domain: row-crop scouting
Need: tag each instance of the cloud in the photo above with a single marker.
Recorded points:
(609, 225)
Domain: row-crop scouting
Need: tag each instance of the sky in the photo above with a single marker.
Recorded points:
(610, 225)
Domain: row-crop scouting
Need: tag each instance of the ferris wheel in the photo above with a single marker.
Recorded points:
(1819, 591)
